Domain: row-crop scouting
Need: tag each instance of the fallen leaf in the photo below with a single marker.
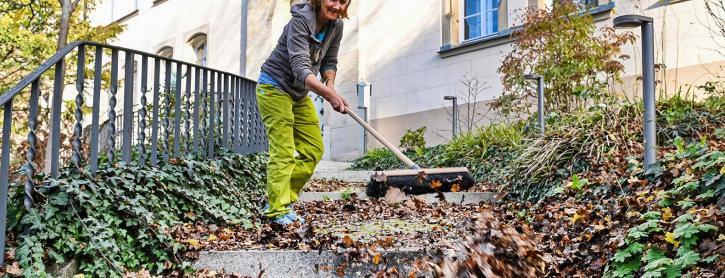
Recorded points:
(13, 269)
(376, 258)
(193, 242)
(456, 187)
(435, 184)
(670, 237)
(394, 196)
(666, 214)
(347, 241)
(212, 237)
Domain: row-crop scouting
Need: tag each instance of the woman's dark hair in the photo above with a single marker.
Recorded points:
(317, 4)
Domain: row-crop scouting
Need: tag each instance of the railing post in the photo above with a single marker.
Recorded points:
(96, 108)
(128, 108)
(177, 113)
(111, 143)
(142, 116)
(80, 85)
(167, 110)
(212, 114)
(155, 114)
(225, 113)
(196, 135)
(4, 168)
(56, 118)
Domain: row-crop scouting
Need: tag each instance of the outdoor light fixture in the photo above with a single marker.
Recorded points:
(455, 112)
(540, 96)
(648, 81)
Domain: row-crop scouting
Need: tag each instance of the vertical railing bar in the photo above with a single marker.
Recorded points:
(97, 71)
(177, 113)
(233, 112)
(197, 72)
(212, 115)
(155, 114)
(4, 178)
(111, 142)
(56, 118)
(219, 121)
(142, 115)
(80, 85)
(188, 108)
(245, 118)
(205, 113)
(167, 110)
(32, 144)
(225, 113)
(128, 109)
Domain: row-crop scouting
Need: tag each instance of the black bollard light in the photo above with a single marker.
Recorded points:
(455, 112)
(540, 95)
(648, 81)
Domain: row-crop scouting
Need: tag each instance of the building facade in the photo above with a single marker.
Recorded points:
(410, 53)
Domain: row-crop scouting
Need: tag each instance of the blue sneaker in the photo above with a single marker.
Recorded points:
(282, 220)
(292, 215)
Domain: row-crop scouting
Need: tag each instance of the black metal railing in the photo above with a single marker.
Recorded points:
(199, 113)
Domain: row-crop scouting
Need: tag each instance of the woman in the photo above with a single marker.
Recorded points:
(308, 45)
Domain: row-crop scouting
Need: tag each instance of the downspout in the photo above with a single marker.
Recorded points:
(243, 39)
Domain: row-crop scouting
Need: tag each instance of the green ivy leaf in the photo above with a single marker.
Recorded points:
(687, 259)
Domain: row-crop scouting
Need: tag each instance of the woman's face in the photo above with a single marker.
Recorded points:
(331, 9)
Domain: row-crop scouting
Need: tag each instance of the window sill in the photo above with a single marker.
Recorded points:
(600, 13)
(158, 2)
(126, 17)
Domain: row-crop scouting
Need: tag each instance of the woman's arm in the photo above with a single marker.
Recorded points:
(328, 92)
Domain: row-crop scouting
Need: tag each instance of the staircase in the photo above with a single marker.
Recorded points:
(359, 225)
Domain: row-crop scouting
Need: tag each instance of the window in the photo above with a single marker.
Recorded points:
(166, 51)
(122, 8)
(480, 18)
(198, 43)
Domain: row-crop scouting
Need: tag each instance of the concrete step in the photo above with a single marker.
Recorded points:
(463, 198)
(328, 165)
(302, 263)
(343, 175)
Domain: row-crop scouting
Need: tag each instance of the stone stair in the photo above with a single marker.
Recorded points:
(322, 263)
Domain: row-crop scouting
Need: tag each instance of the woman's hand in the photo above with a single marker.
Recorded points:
(328, 92)
(338, 103)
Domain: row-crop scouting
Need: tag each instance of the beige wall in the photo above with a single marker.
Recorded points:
(394, 45)
(410, 78)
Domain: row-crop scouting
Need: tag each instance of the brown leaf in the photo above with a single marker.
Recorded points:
(347, 241)
(13, 269)
(394, 196)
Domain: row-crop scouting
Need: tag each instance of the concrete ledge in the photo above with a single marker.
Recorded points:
(301, 263)
(346, 176)
(463, 198)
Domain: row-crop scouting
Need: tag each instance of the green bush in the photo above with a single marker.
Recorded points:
(121, 219)
(413, 140)
(564, 46)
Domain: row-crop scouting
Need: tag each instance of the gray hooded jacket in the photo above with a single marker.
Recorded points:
(299, 54)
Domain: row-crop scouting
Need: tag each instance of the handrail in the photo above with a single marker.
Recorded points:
(48, 64)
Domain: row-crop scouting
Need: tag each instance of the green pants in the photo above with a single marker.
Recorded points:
(291, 126)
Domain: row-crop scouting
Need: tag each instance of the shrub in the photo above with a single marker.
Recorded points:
(413, 140)
(562, 46)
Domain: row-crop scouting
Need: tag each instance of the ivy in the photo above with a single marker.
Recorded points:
(120, 219)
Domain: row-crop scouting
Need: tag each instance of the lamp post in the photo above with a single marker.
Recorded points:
(540, 96)
(455, 113)
(364, 90)
(648, 82)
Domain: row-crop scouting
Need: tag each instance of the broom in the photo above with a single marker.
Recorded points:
(416, 180)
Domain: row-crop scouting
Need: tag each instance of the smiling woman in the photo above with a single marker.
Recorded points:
(308, 45)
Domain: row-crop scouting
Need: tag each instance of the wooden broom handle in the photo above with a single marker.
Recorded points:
(380, 138)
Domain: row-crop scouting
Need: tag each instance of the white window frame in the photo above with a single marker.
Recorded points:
(113, 9)
(486, 27)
